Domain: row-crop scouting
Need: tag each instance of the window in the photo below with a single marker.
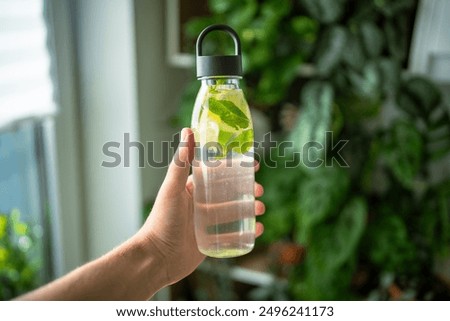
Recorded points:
(26, 145)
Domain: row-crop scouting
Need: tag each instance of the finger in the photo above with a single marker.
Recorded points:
(179, 168)
(259, 229)
(256, 165)
(259, 190)
(190, 185)
(260, 208)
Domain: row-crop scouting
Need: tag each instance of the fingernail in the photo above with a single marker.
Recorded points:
(184, 135)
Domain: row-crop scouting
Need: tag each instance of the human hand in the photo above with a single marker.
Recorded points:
(169, 228)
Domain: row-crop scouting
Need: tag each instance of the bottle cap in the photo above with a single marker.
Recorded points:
(210, 66)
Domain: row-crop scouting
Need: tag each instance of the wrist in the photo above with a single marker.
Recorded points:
(147, 273)
(149, 266)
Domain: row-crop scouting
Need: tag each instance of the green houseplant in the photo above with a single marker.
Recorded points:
(374, 224)
(19, 265)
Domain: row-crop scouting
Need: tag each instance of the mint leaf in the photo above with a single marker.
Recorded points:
(228, 112)
(232, 142)
(245, 140)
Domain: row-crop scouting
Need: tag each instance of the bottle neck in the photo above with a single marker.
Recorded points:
(226, 82)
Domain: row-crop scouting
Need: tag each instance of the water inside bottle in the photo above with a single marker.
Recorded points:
(224, 207)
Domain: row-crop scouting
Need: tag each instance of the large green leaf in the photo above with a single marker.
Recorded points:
(276, 79)
(317, 283)
(348, 230)
(397, 43)
(244, 16)
(353, 54)
(330, 49)
(372, 39)
(331, 253)
(275, 9)
(320, 194)
(389, 245)
(368, 82)
(314, 120)
(390, 71)
(434, 221)
(305, 27)
(280, 197)
(333, 245)
(421, 99)
(392, 7)
(220, 6)
(404, 152)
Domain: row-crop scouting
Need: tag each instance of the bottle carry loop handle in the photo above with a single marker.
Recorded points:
(219, 65)
(220, 27)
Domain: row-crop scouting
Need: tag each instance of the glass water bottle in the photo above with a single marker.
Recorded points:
(223, 166)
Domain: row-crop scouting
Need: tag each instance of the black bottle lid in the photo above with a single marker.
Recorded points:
(211, 66)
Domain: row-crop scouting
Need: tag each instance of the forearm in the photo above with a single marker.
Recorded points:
(129, 272)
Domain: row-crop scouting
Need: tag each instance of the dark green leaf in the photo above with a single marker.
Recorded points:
(439, 117)
(244, 16)
(390, 246)
(275, 9)
(257, 58)
(434, 220)
(418, 97)
(392, 7)
(404, 149)
(372, 39)
(409, 104)
(348, 230)
(390, 75)
(330, 49)
(353, 54)
(280, 197)
(305, 27)
(358, 107)
(314, 119)
(397, 42)
(367, 83)
(331, 252)
(424, 91)
(220, 6)
(325, 11)
(319, 195)
(276, 79)
(438, 151)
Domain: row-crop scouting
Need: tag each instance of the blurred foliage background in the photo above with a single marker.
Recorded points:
(20, 261)
(373, 229)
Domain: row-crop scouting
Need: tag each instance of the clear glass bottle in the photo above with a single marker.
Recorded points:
(223, 170)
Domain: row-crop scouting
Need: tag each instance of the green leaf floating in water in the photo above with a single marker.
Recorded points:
(229, 113)
(237, 142)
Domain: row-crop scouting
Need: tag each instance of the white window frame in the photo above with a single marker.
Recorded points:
(100, 207)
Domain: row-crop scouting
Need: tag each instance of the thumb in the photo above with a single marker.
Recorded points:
(179, 168)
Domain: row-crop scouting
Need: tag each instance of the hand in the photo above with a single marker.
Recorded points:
(170, 227)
